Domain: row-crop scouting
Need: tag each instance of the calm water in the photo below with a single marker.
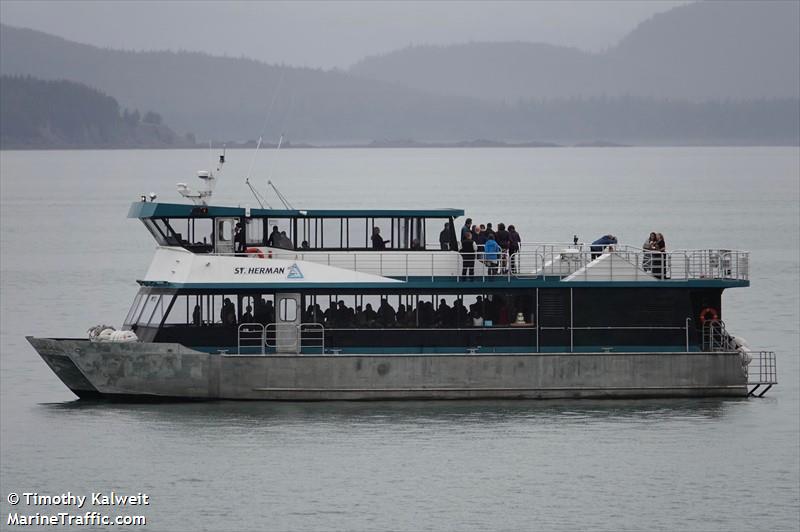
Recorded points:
(70, 259)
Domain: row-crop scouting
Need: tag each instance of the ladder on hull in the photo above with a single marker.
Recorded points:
(762, 374)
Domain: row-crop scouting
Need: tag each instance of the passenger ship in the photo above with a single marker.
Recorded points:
(268, 304)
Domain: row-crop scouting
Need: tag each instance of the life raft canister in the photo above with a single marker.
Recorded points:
(258, 253)
(708, 313)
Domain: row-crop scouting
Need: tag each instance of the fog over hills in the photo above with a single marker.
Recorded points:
(701, 51)
(669, 81)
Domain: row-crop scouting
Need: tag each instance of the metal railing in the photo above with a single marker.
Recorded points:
(761, 371)
(716, 338)
(250, 336)
(579, 262)
(256, 338)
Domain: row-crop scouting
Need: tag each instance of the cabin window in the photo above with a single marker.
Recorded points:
(181, 311)
(430, 310)
(150, 304)
(356, 233)
(288, 310)
(136, 308)
(157, 234)
(199, 231)
(254, 231)
(224, 230)
(281, 233)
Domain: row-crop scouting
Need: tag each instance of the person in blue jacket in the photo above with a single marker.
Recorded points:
(600, 243)
(491, 253)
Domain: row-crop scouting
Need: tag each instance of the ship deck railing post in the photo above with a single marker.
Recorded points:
(688, 319)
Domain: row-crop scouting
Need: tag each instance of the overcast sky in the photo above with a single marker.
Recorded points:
(328, 34)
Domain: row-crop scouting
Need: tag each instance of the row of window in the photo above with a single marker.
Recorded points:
(331, 310)
(222, 234)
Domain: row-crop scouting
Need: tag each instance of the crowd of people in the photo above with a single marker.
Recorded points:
(482, 242)
(495, 310)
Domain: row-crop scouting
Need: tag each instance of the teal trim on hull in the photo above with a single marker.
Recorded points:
(463, 350)
(142, 209)
(500, 283)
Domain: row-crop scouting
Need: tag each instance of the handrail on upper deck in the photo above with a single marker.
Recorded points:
(548, 260)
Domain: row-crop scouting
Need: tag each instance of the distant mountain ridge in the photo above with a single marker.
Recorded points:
(227, 98)
(514, 93)
(697, 52)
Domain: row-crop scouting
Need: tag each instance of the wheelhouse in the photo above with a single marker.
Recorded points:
(210, 229)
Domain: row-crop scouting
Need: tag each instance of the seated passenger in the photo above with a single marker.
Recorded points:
(386, 314)
(305, 245)
(247, 317)
(427, 315)
(360, 319)
(475, 316)
(401, 315)
(460, 314)
(370, 316)
(476, 309)
(444, 315)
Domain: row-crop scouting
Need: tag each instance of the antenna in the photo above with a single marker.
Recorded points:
(266, 120)
(259, 198)
(207, 180)
(281, 197)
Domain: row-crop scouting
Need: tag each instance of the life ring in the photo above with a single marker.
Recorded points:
(708, 313)
(258, 253)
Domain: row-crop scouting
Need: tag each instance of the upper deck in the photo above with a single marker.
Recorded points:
(420, 248)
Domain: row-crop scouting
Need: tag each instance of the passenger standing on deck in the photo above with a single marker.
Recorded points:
(274, 237)
(490, 231)
(238, 237)
(377, 240)
(514, 241)
(444, 237)
(659, 257)
(466, 228)
(501, 238)
(284, 241)
(647, 247)
(468, 255)
(247, 317)
(491, 253)
(480, 238)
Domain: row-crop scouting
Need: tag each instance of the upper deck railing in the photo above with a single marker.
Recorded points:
(568, 262)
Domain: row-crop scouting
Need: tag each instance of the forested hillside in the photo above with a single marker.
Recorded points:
(704, 73)
(36, 113)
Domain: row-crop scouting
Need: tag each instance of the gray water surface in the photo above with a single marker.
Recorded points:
(70, 259)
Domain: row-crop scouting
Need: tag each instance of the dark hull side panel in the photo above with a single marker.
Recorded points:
(171, 370)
